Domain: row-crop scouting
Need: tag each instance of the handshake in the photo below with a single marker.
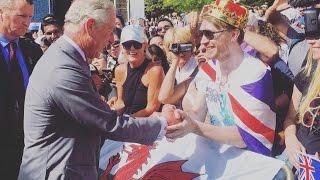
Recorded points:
(179, 123)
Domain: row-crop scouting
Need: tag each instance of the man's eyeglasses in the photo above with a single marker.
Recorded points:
(210, 34)
(312, 114)
(197, 52)
(127, 45)
(114, 45)
(164, 28)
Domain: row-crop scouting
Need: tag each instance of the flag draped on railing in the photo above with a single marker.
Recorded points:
(190, 157)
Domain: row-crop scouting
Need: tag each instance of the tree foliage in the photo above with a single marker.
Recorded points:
(252, 3)
(156, 8)
(160, 7)
(186, 5)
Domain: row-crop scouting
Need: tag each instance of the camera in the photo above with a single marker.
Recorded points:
(302, 3)
(108, 75)
(179, 48)
(312, 23)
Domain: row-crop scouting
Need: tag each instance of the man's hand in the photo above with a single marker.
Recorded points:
(183, 128)
(171, 114)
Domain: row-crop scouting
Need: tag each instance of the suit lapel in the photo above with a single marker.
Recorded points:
(73, 53)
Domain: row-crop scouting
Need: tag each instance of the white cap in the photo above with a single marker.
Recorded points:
(132, 33)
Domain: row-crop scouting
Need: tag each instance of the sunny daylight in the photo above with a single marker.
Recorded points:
(160, 89)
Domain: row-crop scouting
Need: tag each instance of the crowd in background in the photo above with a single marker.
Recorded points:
(162, 60)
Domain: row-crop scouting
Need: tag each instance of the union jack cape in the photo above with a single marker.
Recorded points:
(251, 99)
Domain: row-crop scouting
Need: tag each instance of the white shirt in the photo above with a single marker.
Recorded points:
(183, 73)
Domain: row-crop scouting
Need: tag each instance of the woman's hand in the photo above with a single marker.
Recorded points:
(192, 20)
(181, 129)
(293, 147)
(112, 101)
(173, 58)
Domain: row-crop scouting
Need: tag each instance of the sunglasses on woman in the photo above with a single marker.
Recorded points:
(127, 45)
(312, 114)
(210, 34)
(114, 45)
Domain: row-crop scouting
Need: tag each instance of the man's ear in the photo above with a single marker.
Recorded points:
(89, 26)
(235, 35)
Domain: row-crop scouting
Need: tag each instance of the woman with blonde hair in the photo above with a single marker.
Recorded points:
(302, 124)
(178, 43)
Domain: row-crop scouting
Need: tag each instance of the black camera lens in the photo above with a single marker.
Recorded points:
(180, 48)
(312, 19)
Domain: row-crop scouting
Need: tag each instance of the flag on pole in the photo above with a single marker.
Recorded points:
(309, 167)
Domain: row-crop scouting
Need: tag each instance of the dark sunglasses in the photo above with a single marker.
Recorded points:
(313, 114)
(127, 45)
(114, 45)
(203, 50)
(164, 28)
(209, 34)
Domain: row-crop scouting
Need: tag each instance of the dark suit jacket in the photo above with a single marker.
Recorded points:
(11, 131)
(65, 119)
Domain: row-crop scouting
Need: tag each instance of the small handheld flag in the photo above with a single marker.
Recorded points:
(309, 167)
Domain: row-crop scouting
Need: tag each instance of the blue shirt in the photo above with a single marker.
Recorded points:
(5, 51)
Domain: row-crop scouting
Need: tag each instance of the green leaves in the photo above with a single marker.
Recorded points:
(186, 5)
(163, 7)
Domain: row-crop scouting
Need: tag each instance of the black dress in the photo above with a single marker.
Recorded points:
(135, 93)
(309, 137)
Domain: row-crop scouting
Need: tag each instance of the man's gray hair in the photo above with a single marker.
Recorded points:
(8, 4)
(80, 10)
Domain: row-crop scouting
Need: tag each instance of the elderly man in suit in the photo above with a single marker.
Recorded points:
(17, 59)
(64, 115)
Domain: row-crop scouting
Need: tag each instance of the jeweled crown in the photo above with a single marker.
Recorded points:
(228, 12)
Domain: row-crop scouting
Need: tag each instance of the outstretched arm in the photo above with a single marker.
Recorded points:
(293, 146)
(223, 135)
(194, 123)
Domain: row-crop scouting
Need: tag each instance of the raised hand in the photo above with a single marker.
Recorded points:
(192, 20)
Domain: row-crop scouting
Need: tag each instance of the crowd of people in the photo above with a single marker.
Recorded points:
(245, 77)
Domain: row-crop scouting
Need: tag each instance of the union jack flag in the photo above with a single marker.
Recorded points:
(309, 168)
(251, 100)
